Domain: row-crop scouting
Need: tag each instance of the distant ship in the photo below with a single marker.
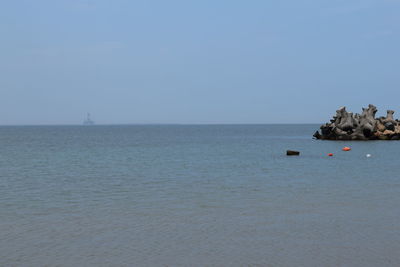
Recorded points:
(88, 120)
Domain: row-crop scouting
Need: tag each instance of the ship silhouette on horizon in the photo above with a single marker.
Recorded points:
(88, 121)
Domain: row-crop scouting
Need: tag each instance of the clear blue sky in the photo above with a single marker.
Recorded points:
(128, 61)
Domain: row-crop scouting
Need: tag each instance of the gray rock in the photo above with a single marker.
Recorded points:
(348, 126)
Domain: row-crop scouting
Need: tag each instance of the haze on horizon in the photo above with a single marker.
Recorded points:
(196, 61)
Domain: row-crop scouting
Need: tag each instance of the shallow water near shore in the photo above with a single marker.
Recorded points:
(195, 195)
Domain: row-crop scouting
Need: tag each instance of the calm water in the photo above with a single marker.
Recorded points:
(195, 196)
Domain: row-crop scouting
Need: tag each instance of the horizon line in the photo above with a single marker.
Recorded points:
(155, 124)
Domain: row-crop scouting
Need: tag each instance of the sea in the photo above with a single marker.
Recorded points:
(196, 195)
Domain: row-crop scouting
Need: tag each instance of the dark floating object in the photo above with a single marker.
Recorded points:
(292, 153)
(348, 126)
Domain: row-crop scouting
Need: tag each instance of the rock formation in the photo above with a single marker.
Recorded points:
(348, 126)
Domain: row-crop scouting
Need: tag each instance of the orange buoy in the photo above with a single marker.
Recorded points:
(346, 148)
(330, 154)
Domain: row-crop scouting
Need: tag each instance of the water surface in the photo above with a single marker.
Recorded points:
(182, 195)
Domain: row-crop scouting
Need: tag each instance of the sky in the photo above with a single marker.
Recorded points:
(196, 62)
